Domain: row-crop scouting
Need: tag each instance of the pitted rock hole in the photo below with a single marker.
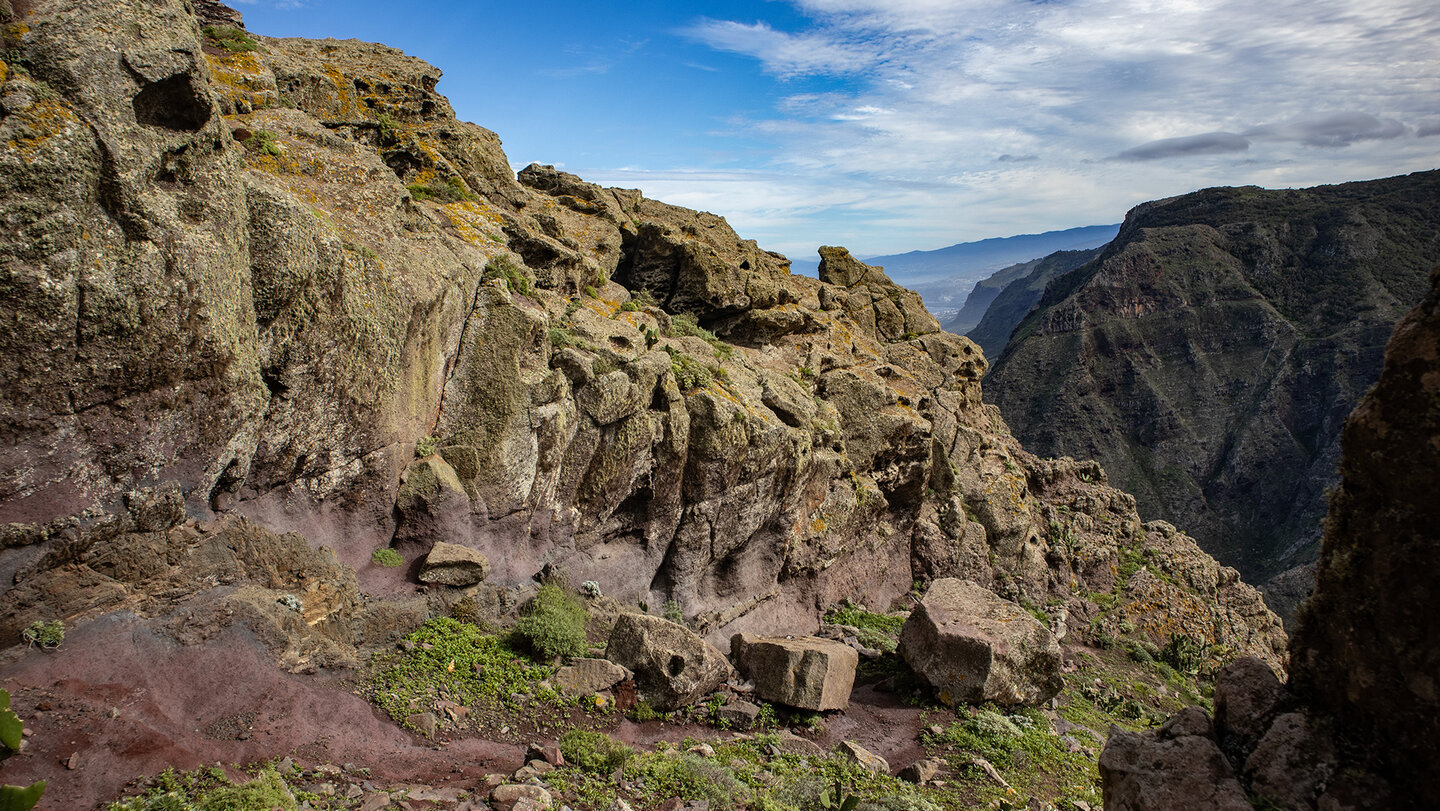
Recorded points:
(172, 103)
(676, 667)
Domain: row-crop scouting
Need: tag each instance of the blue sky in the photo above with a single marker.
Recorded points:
(892, 125)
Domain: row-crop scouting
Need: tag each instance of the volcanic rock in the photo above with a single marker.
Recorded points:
(972, 646)
(803, 672)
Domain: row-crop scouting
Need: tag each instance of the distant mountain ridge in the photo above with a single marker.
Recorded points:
(1209, 356)
(1002, 301)
(944, 277)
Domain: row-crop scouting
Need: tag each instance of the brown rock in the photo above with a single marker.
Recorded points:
(973, 646)
(1188, 773)
(862, 757)
(804, 672)
(589, 676)
(1246, 692)
(450, 564)
(921, 771)
(673, 667)
(510, 797)
(1292, 763)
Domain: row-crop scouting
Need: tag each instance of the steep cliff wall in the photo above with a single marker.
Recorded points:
(1355, 727)
(277, 279)
(1017, 293)
(1209, 357)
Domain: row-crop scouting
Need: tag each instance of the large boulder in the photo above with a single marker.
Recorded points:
(450, 564)
(1178, 769)
(673, 667)
(803, 672)
(973, 646)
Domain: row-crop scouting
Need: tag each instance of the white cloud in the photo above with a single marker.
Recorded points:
(980, 118)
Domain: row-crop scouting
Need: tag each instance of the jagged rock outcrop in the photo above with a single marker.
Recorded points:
(1209, 357)
(273, 278)
(1355, 726)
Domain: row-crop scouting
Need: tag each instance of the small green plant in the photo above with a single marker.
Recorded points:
(501, 267)
(644, 712)
(594, 752)
(387, 124)
(639, 300)
(590, 292)
(690, 374)
(1184, 653)
(234, 40)
(652, 337)
(264, 142)
(673, 612)
(450, 190)
(47, 635)
(835, 799)
(14, 798)
(387, 557)
(555, 626)
(426, 445)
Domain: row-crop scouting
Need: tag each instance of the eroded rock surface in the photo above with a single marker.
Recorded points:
(973, 646)
(673, 667)
(1209, 357)
(803, 672)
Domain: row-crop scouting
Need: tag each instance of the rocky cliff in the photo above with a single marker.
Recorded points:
(1209, 357)
(1356, 724)
(1011, 294)
(268, 308)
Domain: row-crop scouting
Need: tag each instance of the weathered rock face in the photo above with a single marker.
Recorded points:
(588, 676)
(1355, 726)
(1368, 649)
(271, 279)
(804, 672)
(973, 646)
(673, 667)
(1210, 356)
(1178, 769)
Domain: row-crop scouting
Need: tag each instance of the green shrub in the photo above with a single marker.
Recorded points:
(555, 625)
(14, 798)
(673, 612)
(878, 631)
(386, 557)
(426, 445)
(450, 190)
(690, 374)
(234, 40)
(267, 791)
(1183, 653)
(263, 142)
(594, 752)
(45, 634)
(516, 278)
(690, 778)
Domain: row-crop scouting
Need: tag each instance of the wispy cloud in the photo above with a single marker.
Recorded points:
(987, 117)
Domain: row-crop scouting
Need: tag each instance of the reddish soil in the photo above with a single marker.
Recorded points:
(133, 703)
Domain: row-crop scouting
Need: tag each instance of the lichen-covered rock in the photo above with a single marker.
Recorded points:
(862, 757)
(1179, 768)
(432, 505)
(803, 672)
(449, 564)
(673, 667)
(973, 646)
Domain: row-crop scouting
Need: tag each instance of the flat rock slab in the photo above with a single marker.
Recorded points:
(803, 672)
(451, 564)
(673, 666)
(588, 676)
(973, 646)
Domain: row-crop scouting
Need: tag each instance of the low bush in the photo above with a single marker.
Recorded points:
(387, 557)
(555, 626)
(594, 752)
